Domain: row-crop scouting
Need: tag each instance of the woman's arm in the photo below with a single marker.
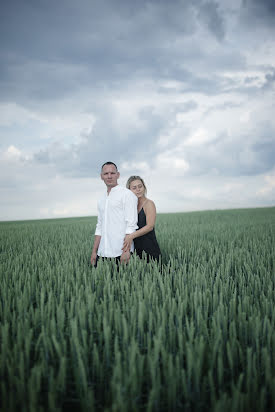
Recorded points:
(150, 213)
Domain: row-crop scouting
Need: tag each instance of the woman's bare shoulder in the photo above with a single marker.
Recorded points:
(149, 205)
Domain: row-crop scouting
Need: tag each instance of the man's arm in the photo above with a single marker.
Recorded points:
(95, 249)
(131, 217)
(97, 237)
(130, 210)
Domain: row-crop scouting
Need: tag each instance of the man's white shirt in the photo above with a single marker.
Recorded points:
(117, 217)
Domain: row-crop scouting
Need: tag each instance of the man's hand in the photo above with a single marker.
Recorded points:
(93, 258)
(95, 249)
(125, 257)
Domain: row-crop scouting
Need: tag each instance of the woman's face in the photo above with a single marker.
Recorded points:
(137, 188)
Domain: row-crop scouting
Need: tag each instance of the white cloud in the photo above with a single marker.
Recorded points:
(130, 167)
(199, 138)
(171, 163)
(12, 153)
(232, 187)
(248, 78)
(12, 113)
(269, 185)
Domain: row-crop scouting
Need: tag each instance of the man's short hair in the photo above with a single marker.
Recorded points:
(108, 163)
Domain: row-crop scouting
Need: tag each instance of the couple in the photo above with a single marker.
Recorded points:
(120, 213)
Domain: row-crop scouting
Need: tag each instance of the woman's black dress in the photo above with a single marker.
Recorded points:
(148, 242)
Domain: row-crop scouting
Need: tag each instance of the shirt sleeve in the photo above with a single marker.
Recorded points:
(131, 216)
(99, 223)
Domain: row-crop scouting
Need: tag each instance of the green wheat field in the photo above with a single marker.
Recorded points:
(192, 333)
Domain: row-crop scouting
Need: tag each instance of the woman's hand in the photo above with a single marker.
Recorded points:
(127, 242)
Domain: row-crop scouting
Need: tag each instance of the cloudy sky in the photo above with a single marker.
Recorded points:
(180, 92)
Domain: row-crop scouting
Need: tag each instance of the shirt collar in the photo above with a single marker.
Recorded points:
(114, 189)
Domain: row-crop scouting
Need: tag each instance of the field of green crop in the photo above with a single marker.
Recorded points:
(194, 333)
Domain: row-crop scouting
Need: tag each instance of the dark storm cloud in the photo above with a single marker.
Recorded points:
(266, 8)
(261, 12)
(91, 32)
(49, 49)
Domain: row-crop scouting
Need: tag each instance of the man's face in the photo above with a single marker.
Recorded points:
(109, 175)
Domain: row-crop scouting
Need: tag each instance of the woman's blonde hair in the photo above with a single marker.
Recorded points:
(132, 178)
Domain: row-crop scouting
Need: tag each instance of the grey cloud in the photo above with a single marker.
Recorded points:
(251, 79)
(187, 106)
(92, 31)
(210, 15)
(43, 156)
(221, 107)
(34, 81)
(244, 155)
(206, 79)
(261, 12)
(265, 153)
(137, 142)
(265, 7)
(114, 139)
(269, 79)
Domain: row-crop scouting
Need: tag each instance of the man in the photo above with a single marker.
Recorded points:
(117, 217)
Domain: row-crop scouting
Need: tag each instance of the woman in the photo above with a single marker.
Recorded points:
(144, 238)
